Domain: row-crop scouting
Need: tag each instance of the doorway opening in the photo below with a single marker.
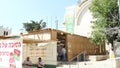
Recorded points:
(61, 43)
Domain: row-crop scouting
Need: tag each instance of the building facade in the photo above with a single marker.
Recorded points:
(5, 31)
(77, 19)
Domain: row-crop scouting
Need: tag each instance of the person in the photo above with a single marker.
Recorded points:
(111, 53)
(59, 53)
(27, 62)
(40, 63)
(64, 53)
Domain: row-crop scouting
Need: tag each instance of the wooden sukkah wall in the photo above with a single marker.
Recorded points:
(78, 44)
(75, 44)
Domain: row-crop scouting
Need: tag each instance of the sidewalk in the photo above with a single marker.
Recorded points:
(109, 63)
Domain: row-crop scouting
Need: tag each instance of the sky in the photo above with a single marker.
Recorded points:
(13, 13)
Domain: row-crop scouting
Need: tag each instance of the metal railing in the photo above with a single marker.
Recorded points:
(80, 57)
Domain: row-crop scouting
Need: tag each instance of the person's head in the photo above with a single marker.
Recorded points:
(64, 46)
(39, 59)
(28, 58)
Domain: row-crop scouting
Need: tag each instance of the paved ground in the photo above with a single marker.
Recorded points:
(28, 67)
(109, 63)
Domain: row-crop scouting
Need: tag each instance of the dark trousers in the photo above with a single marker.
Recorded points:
(64, 57)
(39, 67)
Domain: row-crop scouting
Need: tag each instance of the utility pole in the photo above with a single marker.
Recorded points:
(56, 22)
(51, 22)
(119, 9)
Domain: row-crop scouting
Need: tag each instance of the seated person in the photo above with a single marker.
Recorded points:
(40, 63)
(27, 62)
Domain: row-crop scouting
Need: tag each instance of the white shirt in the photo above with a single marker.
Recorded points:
(63, 50)
(27, 62)
(40, 64)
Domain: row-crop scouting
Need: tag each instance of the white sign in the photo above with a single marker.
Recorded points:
(11, 53)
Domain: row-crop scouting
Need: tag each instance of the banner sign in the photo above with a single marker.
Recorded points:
(70, 20)
(11, 53)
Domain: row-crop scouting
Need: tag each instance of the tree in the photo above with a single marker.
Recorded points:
(106, 21)
(34, 25)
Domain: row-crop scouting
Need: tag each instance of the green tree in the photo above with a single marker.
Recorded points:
(106, 20)
(34, 25)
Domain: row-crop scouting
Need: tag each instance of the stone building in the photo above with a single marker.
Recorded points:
(77, 19)
(5, 31)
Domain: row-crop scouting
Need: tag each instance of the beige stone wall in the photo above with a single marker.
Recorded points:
(47, 51)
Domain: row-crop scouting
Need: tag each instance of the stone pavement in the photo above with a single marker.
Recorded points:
(109, 63)
(28, 67)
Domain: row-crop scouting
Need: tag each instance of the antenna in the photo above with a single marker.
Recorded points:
(51, 21)
(46, 21)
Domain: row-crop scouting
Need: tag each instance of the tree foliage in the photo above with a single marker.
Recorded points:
(34, 25)
(106, 20)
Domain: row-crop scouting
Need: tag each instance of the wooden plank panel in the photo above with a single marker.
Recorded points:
(79, 44)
